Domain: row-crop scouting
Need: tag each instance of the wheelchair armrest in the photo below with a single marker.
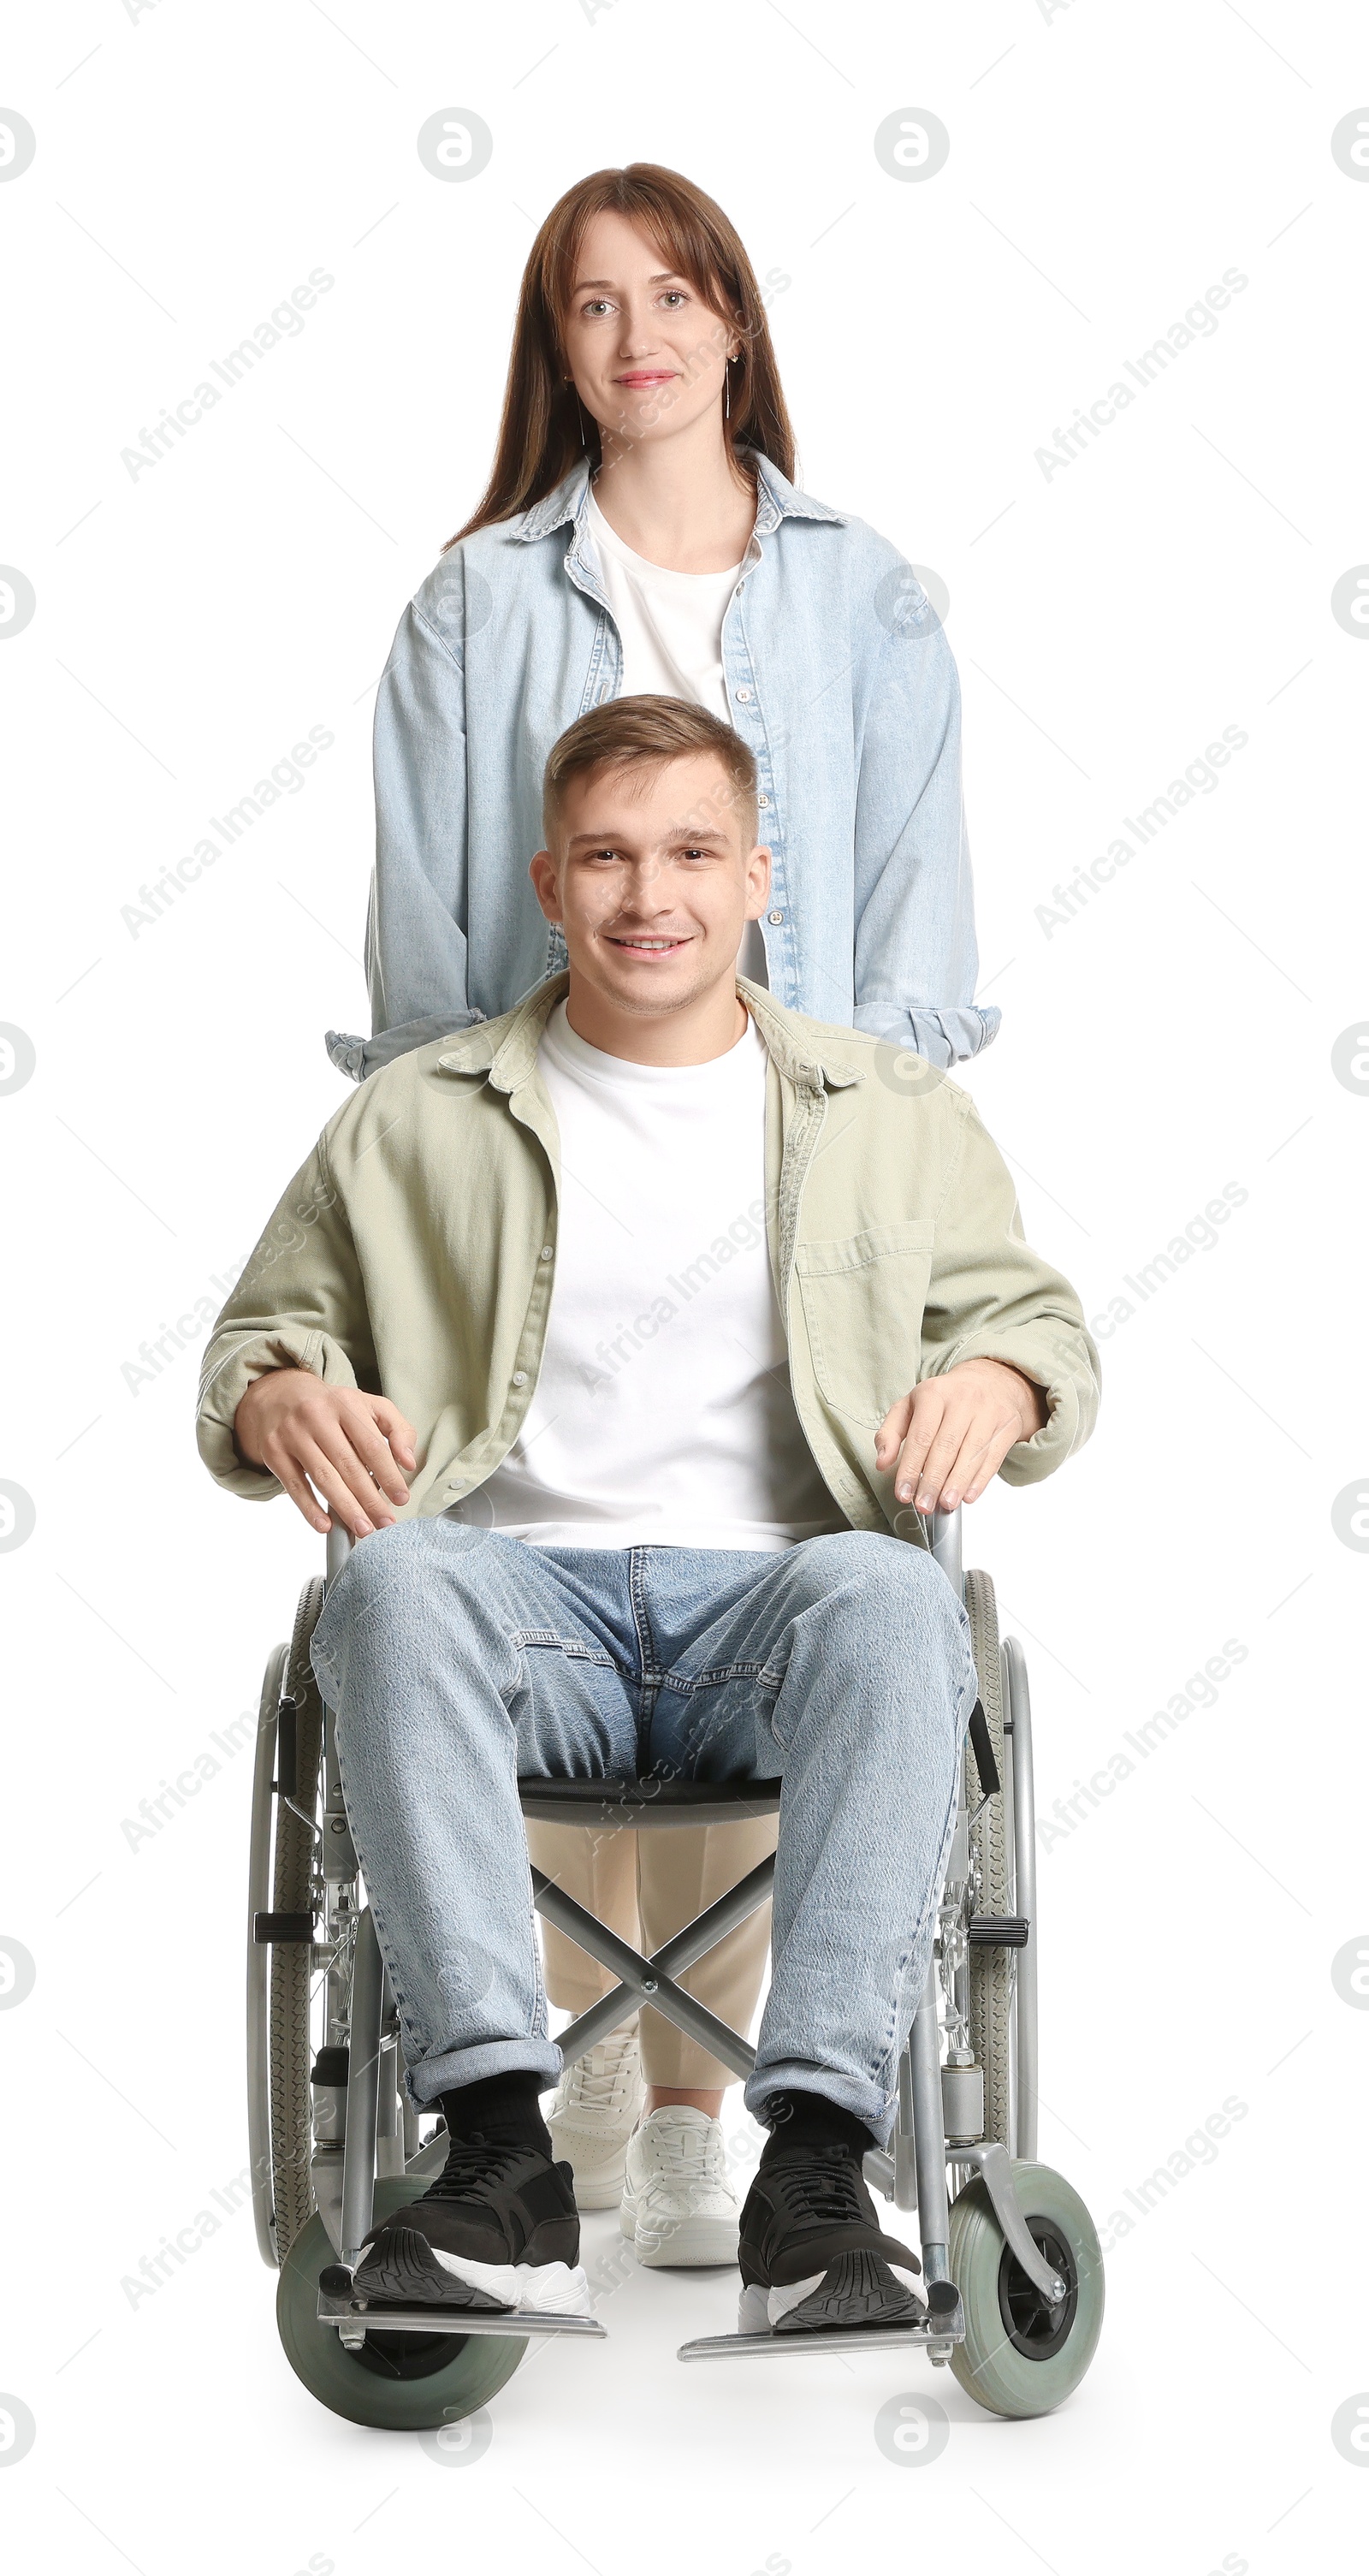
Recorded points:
(339, 1545)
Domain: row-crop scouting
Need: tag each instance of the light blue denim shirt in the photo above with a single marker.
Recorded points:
(839, 677)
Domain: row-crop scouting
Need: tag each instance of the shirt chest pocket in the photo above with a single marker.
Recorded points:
(863, 1300)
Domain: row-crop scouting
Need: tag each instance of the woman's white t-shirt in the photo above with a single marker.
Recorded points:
(671, 625)
(663, 1413)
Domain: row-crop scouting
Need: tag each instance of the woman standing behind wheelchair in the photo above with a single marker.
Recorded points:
(642, 532)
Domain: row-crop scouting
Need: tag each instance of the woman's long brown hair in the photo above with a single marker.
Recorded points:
(544, 428)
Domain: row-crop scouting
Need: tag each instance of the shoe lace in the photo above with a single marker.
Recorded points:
(471, 2162)
(600, 2081)
(822, 2189)
(689, 2150)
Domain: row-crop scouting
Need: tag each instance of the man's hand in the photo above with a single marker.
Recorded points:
(351, 1446)
(954, 1432)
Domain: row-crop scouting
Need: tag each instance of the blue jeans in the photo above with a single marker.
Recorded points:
(456, 1659)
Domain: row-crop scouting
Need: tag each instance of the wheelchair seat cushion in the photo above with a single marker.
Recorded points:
(646, 1802)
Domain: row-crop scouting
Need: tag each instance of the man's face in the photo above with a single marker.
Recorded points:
(653, 878)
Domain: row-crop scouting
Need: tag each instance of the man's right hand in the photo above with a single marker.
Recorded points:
(351, 1446)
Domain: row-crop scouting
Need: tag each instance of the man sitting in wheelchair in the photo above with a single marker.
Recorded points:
(637, 1333)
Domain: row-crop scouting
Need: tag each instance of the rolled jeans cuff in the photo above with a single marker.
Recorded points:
(457, 2066)
(851, 2092)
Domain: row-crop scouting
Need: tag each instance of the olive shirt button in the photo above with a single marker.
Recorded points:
(545, 1254)
(520, 1377)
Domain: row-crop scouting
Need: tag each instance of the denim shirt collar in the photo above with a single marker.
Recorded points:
(776, 499)
(507, 1050)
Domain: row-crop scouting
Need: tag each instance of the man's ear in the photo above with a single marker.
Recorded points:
(757, 882)
(542, 870)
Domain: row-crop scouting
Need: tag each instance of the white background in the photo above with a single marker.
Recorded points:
(1108, 164)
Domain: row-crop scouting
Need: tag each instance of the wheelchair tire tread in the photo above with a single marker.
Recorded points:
(292, 1963)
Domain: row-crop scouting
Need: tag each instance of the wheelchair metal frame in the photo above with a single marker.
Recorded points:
(375, 2132)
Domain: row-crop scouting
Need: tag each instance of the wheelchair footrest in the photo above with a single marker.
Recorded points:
(942, 2325)
(351, 2313)
(940, 2329)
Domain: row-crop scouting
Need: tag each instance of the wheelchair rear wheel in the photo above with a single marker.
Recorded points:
(398, 2383)
(1020, 2356)
(293, 1892)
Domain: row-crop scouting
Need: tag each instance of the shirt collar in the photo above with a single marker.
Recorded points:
(809, 1057)
(777, 498)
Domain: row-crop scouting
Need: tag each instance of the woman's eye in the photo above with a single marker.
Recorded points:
(597, 304)
(674, 296)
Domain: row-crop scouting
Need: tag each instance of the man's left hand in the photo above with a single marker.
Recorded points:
(952, 1434)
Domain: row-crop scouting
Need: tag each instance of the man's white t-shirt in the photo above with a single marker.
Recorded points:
(671, 625)
(663, 1413)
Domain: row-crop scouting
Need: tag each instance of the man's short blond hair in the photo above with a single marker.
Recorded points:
(647, 733)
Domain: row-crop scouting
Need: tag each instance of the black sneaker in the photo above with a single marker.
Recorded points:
(498, 2230)
(812, 2251)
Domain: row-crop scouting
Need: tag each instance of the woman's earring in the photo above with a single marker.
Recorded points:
(727, 389)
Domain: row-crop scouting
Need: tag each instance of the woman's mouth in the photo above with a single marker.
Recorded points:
(644, 376)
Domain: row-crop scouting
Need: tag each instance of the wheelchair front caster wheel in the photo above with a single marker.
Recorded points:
(399, 2383)
(1021, 2356)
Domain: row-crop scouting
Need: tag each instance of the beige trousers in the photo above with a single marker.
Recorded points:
(646, 1887)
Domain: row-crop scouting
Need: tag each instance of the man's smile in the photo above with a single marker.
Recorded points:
(638, 944)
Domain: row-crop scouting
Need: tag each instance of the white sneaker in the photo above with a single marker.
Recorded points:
(678, 2205)
(598, 2104)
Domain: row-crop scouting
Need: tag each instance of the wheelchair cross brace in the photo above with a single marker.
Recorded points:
(651, 1980)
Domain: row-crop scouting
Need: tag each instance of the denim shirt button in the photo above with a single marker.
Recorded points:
(743, 696)
(776, 917)
(762, 800)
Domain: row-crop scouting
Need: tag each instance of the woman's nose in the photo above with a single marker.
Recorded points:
(635, 336)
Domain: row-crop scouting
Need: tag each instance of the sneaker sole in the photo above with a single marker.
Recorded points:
(401, 2270)
(404, 2270)
(857, 2290)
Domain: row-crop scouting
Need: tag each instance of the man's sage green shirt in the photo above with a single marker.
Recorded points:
(414, 1256)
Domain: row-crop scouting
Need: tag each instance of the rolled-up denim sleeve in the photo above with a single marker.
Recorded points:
(916, 961)
(358, 1056)
(416, 952)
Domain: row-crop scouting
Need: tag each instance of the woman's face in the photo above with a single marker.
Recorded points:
(646, 353)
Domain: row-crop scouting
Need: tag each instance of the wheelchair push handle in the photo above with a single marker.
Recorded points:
(339, 1545)
(943, 1537)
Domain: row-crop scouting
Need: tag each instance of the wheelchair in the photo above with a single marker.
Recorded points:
(1012, 2271)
